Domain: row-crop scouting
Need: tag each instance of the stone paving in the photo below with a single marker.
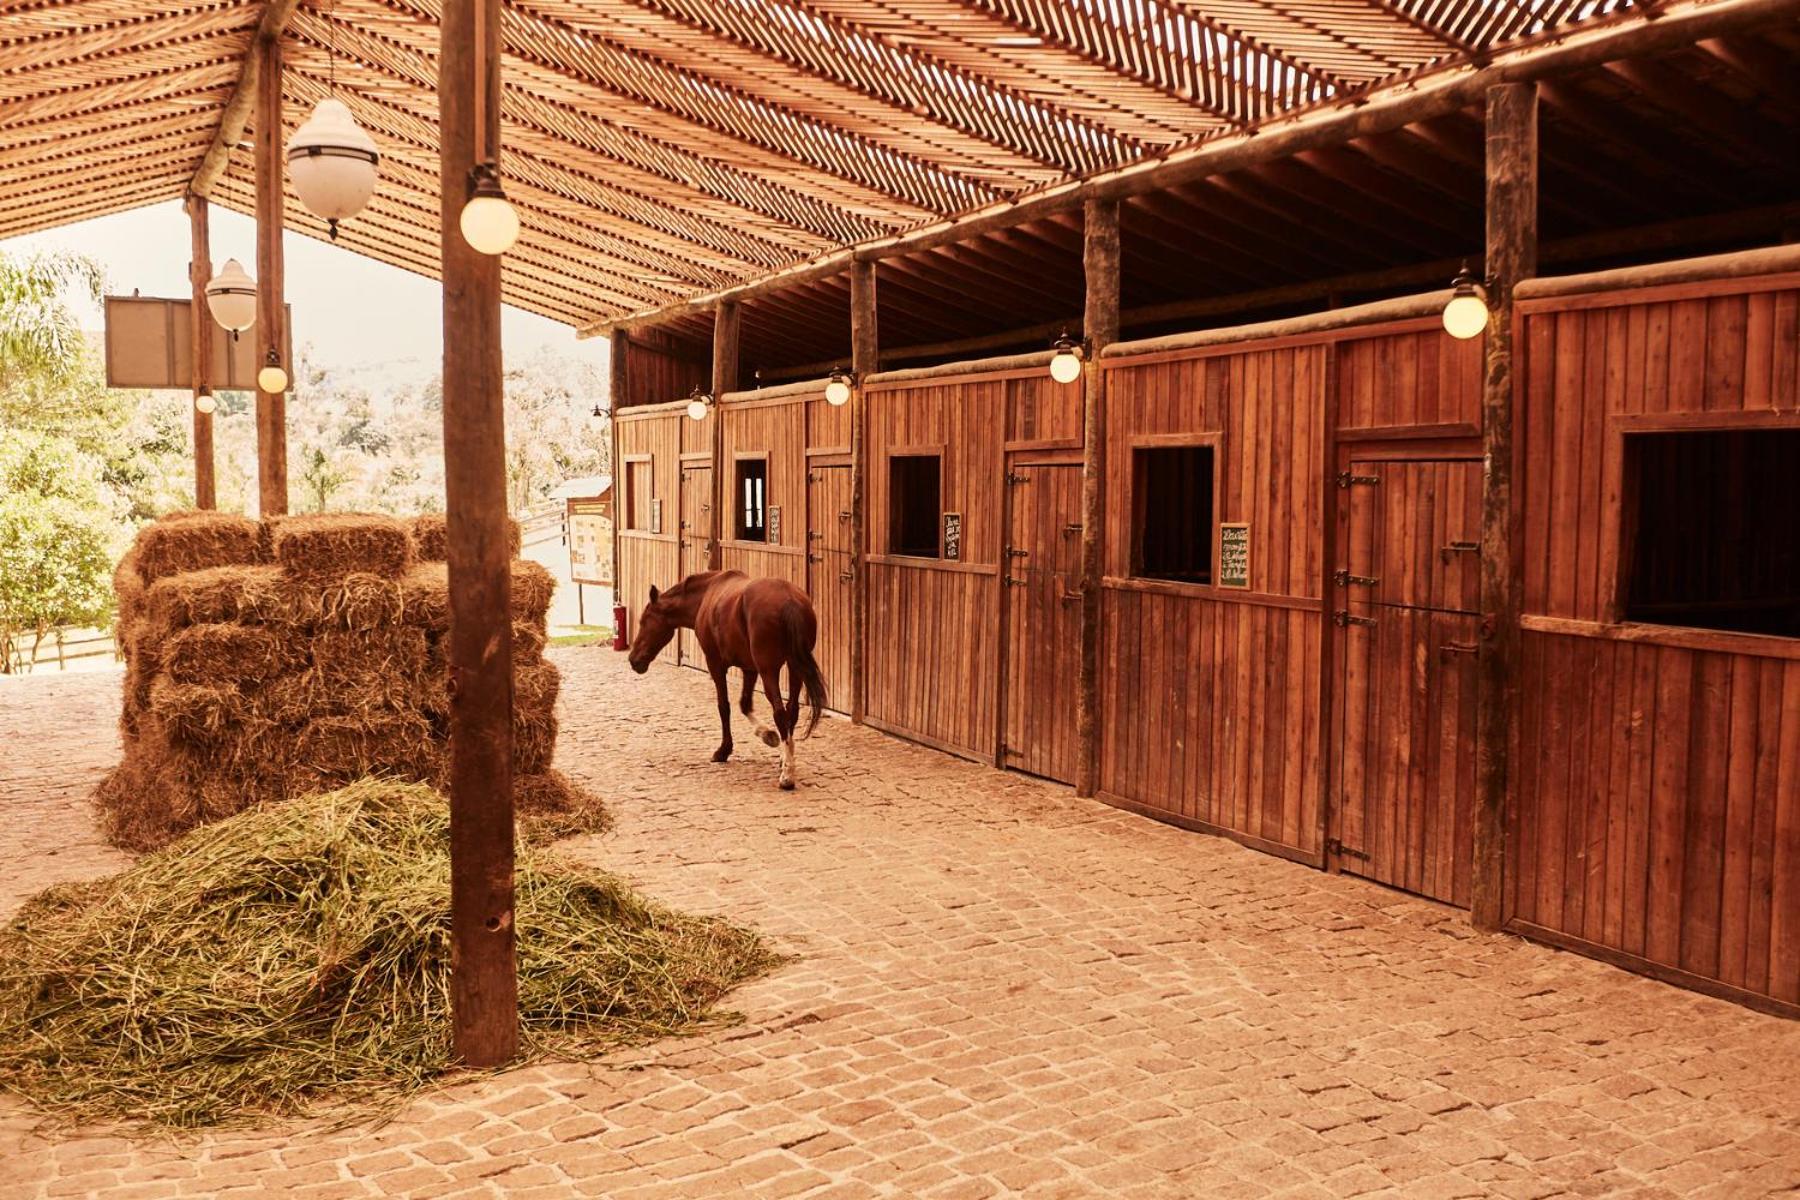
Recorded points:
(998, 989)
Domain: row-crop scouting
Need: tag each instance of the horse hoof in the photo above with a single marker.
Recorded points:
(721, 755)
(770, 738)
(787, 785)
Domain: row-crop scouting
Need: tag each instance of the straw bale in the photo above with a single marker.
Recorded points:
(328, 546)
(195, 542)
(528, 644)
(535, 687)
(551, 805)
(426, 591)
(229, 595)
(217, 652)
(128, 586)
(374, 743)
(534, 741)
(196, 712)
(360, 600)
(429, 537)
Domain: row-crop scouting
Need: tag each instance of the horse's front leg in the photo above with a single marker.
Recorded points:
(724, 691)
(771, 681)
(748, 705)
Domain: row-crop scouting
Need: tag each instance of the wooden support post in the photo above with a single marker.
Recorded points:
(1100, 327)
(865, 360)
(616, 371)
(724, 379)
(483, 985)
(271, 407)
(1512, 187)
(200, 345)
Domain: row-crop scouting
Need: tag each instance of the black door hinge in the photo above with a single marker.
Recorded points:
(1017, 477)
(1346, 479)
(1342, 851)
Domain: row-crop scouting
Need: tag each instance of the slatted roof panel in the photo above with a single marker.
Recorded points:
(660, 149)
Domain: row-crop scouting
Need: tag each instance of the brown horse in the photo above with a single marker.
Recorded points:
(755, 625)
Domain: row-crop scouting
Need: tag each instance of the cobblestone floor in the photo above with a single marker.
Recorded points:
(999, 989)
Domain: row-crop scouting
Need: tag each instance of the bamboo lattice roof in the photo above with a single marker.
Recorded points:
(660, 149)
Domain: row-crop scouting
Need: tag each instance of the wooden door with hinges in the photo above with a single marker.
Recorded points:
(1408, 591)
(1041, 575)
(831, 574)
(696, 543)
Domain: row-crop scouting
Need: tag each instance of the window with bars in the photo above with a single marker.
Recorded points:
(753, 499)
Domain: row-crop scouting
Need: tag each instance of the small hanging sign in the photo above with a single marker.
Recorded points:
(1234, 554)
(656, 514)
(953, 535)
(774, 524)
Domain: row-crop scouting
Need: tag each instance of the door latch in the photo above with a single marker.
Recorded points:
(1337, 847)
(1346, 479)
(1344, 578)
(1342, 618)
(1444, 552)
(1017, 477)
(1449, 648)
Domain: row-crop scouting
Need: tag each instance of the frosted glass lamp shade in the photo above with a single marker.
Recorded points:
(332, 163)
(231, 297)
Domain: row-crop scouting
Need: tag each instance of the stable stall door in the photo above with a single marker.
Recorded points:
(1408, 596)
(831, 575)
(1041, 581)
(696, 542)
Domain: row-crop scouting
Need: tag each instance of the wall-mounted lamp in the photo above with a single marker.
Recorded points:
(489, 222)
(698, 405)
(597, 417)
(1065, 365)
(837, 388)
(1466, 316)
(272, 378)
(205, 403)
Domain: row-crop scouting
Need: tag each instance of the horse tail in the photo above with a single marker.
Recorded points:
(803, 670)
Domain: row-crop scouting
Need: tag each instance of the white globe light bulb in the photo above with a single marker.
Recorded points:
(205, 403)
(1065, 367)
(490, 224)
(837, 392)
(1466, 316)
(272, 379)
(696, 409)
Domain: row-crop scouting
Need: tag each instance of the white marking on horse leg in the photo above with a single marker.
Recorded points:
(787, 763)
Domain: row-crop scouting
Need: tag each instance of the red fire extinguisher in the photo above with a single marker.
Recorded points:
(619, 642)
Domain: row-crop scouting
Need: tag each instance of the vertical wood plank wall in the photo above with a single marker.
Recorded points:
(1656, 817)
(777, 429)
(649, 559)
(933, 637)
(1210, 697)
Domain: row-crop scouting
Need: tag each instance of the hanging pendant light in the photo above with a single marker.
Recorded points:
(698, 405)
(272, 379)
(205, 403)
(1466, 316)
(332, 162)
(837, 388)
(231, 297)
(489, 222)
(1065, 365)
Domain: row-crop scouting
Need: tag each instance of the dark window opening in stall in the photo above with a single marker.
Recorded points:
(915, 504)
(753, 499)
(1711, 530)
(638, 477)
(1172, 513)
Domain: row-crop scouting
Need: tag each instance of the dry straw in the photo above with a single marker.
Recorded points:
(295, 959)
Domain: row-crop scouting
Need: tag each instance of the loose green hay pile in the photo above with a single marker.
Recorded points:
(297, 956)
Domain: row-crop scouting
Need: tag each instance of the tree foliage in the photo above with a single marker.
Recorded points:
(57, 526)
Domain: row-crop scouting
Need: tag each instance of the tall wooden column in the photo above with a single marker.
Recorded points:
(1512, 186)
(616, 368)
(1100, 327)
(865, 360)
(271, 407)
(200, 346)
(484, 986)
(724, 379)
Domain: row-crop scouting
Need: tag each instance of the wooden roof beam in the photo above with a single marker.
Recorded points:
(236, 113)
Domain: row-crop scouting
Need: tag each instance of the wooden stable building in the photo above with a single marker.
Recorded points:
(1511, 622)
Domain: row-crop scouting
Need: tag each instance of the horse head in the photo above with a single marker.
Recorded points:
(656, 627)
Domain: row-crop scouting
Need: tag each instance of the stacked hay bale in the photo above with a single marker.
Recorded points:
(271, 659)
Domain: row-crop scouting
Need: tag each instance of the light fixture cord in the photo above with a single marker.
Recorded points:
(483, 152)
(331, 48)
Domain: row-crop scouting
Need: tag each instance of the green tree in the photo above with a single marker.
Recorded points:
(57, 525)
(39, 337)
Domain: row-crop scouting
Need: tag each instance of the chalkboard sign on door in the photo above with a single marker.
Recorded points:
(1234, 554)
(953, 535)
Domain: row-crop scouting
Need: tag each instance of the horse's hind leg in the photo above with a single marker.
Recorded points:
(771, 681)
(723, 689)
(747, 704)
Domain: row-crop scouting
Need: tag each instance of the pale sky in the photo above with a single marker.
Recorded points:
(357, 315)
